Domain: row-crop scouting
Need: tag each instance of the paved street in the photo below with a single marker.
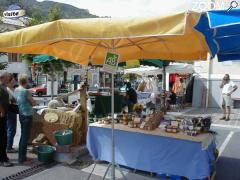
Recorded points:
(228, 163)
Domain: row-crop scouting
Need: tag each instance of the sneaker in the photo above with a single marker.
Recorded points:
(223, 118)
(11, 150)
(6, 164)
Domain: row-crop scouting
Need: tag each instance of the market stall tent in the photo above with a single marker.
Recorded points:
(181, 68)
(170, 37)
(144, 70)
(221, 30)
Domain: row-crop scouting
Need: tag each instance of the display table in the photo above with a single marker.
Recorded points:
(154, 151)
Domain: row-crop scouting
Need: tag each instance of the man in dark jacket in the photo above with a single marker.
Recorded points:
(4, 102)
(131, 96)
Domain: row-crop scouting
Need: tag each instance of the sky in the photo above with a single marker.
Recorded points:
(130, 8)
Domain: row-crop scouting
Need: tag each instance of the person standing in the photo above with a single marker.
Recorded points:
(131, 96)
(25, 102)
(179, 89)
(4, 103)
(228, 87)
(11, 115)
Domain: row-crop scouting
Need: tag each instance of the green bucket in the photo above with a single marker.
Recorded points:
(63, 137)
(45, 153)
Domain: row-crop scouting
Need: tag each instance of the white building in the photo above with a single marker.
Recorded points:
(209, 75)
(15, 64)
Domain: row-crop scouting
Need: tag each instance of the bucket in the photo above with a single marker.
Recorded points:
(45, 153)
(63, 137)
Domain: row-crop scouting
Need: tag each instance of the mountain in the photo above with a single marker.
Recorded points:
(42, 8)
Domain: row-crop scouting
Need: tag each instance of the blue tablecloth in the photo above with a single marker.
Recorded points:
(152, 153)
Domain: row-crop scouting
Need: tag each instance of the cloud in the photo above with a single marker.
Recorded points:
(125, 8)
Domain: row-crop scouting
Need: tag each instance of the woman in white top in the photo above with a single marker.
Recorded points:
(228, 87)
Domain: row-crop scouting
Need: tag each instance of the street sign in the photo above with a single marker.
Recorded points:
(15, 15)
(111, 63)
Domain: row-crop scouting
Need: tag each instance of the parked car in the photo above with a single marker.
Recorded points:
(39, 91)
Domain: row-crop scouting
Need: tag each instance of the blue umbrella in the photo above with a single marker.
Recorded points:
(222, 32)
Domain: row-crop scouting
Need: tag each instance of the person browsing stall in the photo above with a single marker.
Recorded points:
(131, 96)
(4, 104)
(25, 103)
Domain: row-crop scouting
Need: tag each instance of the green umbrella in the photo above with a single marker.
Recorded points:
(149, 62)
(153, 62)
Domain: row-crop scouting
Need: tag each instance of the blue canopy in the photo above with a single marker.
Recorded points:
(222, 32)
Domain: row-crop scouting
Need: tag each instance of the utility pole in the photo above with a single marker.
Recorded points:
(210, 63)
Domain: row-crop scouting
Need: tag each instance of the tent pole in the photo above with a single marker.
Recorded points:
(209, 69)
(113, 123)
(164, 89)
(113, 138)
(113, 163)
(208, 81)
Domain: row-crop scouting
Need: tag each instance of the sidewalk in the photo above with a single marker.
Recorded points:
(8, 171)
(63, 173)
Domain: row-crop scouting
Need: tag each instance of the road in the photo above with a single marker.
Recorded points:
(228, 144)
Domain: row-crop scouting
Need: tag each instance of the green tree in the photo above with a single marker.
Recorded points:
(54, 14)
(36, 19)
(53, 68)
(3, 65)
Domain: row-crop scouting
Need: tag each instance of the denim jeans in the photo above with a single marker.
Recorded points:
(11, 128)
(26, 126)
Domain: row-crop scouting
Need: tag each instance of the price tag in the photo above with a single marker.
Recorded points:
(111, 63)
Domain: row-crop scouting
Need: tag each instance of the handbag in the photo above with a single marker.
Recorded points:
(13, 108)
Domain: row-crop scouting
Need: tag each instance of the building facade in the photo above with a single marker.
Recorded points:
(9, 22)
(15, 63)
(208, 78)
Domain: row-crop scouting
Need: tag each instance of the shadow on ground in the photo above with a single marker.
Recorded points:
(228, 169)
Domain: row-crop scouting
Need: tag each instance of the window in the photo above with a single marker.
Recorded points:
(12, 57)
